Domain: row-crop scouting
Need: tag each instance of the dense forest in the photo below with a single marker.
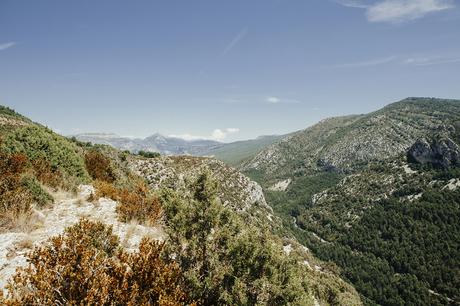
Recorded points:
(401, 252)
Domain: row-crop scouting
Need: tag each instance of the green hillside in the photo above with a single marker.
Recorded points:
(357, 198)
(238, 152)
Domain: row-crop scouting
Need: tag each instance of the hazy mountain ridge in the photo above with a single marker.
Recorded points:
(154, 143)
(232, 153)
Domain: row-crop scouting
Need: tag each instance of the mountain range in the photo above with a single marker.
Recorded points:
(232, 153)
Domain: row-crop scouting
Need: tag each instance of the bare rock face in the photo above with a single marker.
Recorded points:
(439, 151)
(237, 191)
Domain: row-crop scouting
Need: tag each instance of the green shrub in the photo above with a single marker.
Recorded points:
(149, 154)
(41, 143)
(4, 110)
(224, 260)
(39, 195)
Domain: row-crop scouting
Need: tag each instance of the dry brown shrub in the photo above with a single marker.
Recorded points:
(138, 204)
(46, 174)
(85, 266)
(15, 200)
(98, 166)
(105, 190)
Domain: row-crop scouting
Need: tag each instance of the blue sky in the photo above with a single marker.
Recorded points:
(225, 70)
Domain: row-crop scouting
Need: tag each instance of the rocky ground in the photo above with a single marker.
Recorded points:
(66, 211)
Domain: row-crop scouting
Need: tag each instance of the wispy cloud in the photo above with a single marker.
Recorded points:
(278, 100)
(367, 63)
(217, 134)
(232, 44)
(403, 60)
(353, 3)
(429, 61)
(242, 34)
(397, 11)
(273, 100)
(7, 45)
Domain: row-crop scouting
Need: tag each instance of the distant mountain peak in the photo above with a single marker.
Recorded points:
(101, 135)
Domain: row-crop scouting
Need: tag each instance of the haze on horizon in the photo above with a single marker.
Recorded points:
(221, 70)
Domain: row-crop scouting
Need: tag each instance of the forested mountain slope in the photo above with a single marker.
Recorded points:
(377, 195)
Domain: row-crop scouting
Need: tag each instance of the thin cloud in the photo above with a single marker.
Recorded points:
(397, 11)
(233, 130)
(232, 44)
(220, 135)
(273, 100)
(414, 61)
(277, 100)
(352, 3)
(429, 61)
(242, 34)
(368, 63)
(7, 45)
(217, 134)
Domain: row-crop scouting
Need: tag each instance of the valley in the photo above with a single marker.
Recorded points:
(360, 209)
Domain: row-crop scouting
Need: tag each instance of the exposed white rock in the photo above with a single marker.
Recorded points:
(281, 185)
(307, 264)
(287, 249)
(237, 190)
(453, 184)
(408, 170)
(52, 221)
(414, 196)
(319, 238)
(315, 302)
(12, 121)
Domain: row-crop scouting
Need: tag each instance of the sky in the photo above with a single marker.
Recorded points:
(223, 70)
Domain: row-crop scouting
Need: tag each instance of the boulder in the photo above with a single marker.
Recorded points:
(440, 151)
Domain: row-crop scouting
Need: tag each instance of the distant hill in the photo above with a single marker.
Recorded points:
(235, 153)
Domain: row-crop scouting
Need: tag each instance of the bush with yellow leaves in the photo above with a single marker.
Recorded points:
(86, 266)
(139, 204)
(99, 167)
(15, 199)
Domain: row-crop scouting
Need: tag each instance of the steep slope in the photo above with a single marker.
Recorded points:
(377, 195)
(389, 225)
(343, 143)
(236, 190)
